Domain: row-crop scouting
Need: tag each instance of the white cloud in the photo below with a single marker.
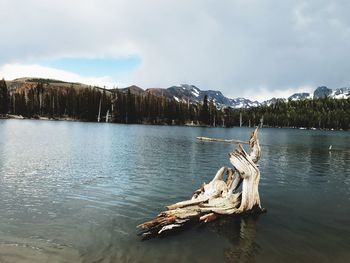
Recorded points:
(13, 71)
(235, 46)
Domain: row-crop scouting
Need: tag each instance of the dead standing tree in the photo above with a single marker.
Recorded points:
(222, 196)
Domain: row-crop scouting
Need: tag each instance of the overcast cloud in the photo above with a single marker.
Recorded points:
(256, 49)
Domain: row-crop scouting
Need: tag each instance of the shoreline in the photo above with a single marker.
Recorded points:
(20, 117)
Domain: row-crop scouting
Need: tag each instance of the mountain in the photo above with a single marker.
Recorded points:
(190, 93)
(134, 90)
(342, 93)
(299, 96)
(238, 103)
(21, 84)
(272, 101)
(322, 92)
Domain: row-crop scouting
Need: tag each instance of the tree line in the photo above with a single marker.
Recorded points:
(150, 109)
(46, 101)
(87, 103)
(322, 113)
(92, 103)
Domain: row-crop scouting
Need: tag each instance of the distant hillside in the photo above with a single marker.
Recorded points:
(25, 83)
(134, 90)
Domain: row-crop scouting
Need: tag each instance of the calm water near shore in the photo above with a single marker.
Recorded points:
(74, 192)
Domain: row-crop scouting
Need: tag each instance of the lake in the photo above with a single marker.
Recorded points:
(74, 192)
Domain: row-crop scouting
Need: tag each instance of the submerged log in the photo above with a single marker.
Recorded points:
(222, 196)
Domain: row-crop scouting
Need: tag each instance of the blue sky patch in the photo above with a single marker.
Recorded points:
(97, 67)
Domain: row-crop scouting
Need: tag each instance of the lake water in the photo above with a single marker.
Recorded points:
(74, 192)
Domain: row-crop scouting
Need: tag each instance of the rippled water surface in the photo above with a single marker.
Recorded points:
(74, 192)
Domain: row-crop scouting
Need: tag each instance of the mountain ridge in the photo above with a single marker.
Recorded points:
(185, 92)
(190, 93)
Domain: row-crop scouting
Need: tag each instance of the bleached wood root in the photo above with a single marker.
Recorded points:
(219, 197)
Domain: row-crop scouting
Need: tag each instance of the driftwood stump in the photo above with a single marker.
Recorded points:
(222, 196)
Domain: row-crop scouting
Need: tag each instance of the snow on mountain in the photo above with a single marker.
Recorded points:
(300, 96)
(273, 101)
(190, 93)
(342, 93)
(183, 92)
(238, 103)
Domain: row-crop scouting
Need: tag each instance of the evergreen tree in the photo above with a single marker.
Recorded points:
(205, 116)
(4, 97)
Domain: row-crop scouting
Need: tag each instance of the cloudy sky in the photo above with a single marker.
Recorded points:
(256, 49)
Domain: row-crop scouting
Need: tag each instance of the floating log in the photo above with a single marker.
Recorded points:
(232, 191)
(221, 140)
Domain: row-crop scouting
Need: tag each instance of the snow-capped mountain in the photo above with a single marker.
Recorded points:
(342, 93)
(184, 92)
(195, 94)
(300, 96)
(320, 92)
(273, 101)
(238, 103)
(191, 93)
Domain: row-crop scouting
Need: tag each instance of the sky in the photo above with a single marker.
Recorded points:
(256, 49)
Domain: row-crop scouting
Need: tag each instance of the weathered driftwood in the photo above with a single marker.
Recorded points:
(222, 196)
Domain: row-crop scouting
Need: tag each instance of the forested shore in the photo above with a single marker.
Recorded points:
(323, 113)
(123, 106)
(119, 106)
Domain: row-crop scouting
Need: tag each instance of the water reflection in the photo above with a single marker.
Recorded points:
(241, 233)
